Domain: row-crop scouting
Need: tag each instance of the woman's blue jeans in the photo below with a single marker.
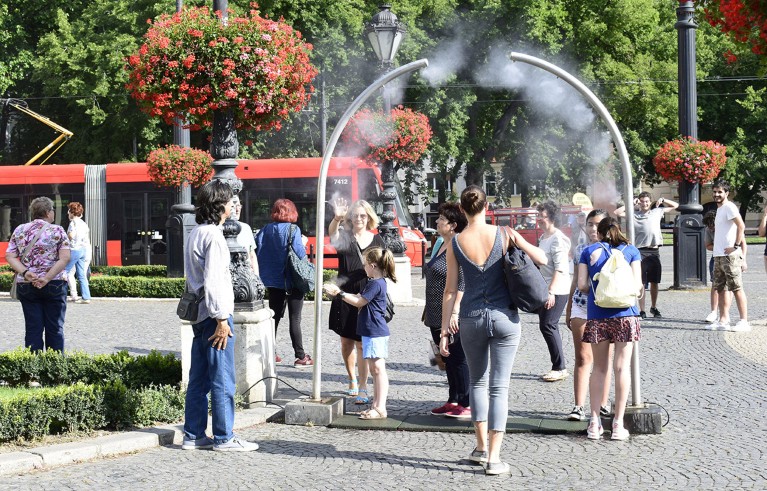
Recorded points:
(212, 371)
(77, 261)
(490, 341)
(44, 309)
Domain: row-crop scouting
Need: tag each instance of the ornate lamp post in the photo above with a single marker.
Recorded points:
(224, 147)
(385, 34)
(689, 254)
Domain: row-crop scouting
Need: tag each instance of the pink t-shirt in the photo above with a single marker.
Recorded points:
(45, 253)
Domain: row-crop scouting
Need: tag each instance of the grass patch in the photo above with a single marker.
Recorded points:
(8, 393)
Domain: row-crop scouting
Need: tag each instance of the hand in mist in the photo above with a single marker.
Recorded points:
(340, 208)
(331, 289)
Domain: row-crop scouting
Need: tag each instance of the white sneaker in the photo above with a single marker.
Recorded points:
(619, 433)
(714, 326)
(595, 430)
(741, 326)
(713, 316)
(235, 445)
(725, 326)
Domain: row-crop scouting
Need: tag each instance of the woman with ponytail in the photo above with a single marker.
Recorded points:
(606, 326)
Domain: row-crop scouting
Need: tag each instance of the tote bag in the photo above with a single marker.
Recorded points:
(528, 290)
(301, 271)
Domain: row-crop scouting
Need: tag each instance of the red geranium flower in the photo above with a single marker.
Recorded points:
(187, 68)
(691, 160)
(173, 166)
(403, 136)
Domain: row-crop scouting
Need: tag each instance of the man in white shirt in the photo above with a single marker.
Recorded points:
(729, 260)
(245, 237)
(648, 238)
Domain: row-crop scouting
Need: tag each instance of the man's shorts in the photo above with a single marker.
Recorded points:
(651, 266)
(728, 272)
(375, 347)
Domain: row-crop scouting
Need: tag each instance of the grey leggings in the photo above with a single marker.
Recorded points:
(490, 341)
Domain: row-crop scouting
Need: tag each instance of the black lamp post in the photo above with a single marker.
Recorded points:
(385, 34)
(689, 251)
(224, 147)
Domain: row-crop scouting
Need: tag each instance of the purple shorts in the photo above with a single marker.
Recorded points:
(614, 330)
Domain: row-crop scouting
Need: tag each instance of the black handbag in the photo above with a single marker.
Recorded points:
(189, 305)
(301, 271)
(528, 290)
(389, 314)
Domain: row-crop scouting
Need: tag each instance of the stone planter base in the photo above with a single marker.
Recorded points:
(253, 355)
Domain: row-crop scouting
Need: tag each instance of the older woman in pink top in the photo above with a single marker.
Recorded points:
(38, 251)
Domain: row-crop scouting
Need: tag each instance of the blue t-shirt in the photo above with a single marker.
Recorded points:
(370, 320)
(594, 311)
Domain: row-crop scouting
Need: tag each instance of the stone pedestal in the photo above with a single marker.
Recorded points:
(316, 413)
(253, 354)
(402, 290)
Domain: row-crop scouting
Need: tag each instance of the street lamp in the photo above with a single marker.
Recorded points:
(385, 34)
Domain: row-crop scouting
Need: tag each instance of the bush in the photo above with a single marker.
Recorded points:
(82, 407)
(20, 366)
(138, 270)
(136, 286)
(5, 281)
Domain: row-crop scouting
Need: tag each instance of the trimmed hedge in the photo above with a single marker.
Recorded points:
(137, 270)
(83, 407)
(21, 366)
(125, 281)
(87, 392)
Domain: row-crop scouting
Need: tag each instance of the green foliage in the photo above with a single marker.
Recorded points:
(155, 404)
(137, 270)
(136, 286)
(20, 366)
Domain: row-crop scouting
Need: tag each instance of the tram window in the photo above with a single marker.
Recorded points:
(11, 216)
(369, 190)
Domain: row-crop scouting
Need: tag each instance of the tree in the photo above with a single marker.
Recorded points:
(745, 21)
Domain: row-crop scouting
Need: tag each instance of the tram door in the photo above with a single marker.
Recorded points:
(144, 233)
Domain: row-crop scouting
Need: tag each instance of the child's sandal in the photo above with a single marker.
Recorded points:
(362, 399)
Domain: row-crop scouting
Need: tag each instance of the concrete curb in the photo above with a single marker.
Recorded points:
(120, 443)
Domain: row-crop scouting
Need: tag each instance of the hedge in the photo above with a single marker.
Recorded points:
(21, 366)
(83, 407)
(124, 281)
(86, 392)
(137, 270)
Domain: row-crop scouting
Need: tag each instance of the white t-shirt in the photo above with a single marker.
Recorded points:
(557, 249)
(725, 230)
(79, 234)
(245, 238)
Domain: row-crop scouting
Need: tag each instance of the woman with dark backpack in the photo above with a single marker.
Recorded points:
(272, 244)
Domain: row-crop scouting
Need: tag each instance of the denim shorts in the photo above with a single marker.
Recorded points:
(375, 347)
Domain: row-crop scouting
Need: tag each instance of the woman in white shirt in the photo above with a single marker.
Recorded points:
(556, 272)
(80, 258)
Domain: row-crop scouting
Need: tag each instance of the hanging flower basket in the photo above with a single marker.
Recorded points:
(173, 166)
(691, 160)
(191, 65)
(403, 136)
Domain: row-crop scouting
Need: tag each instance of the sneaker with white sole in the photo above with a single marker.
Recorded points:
(605, 411)
(577, 414)
(619, 432)
(741, 326)
(555, 375)
(595, 430)
(713, 316)
(203, 443)
(497, 468)
(235, 445)
(714, 326)
(478, 456)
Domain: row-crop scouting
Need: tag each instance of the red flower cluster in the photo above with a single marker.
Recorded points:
(687, 159)
(403, 136)
(171, 166)
(191, 65)
(745, 20)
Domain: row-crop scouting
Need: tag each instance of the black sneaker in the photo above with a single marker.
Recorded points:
(642, 315)
(605, 412)
(577, 414)
(655, 312)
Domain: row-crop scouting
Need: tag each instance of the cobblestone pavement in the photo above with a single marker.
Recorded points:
(713, 385)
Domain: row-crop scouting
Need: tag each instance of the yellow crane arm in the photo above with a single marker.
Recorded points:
(57, 143)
